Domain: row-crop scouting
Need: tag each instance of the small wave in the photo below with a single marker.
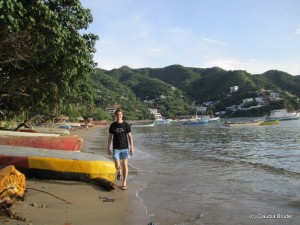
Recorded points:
(137, 194)
(265, 167)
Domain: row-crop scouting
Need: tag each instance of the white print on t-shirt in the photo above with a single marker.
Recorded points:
(119, 130)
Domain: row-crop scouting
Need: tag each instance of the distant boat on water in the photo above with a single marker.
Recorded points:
(270, 122)
(143, 125)
(210, 118)
(243, 123)
(283, 114)
(162, 121)
(196, 122)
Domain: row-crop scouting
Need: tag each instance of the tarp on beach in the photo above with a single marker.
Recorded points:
(12, 182)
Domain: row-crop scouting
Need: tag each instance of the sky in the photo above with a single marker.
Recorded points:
(251, 35)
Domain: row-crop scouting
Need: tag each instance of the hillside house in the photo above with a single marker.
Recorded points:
(201, 109)
(155, 113)
(247, 100)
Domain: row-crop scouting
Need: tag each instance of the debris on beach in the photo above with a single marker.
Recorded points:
(6, 209)
(106, 199)
(12, 187)
(106, 184)
(12, 182)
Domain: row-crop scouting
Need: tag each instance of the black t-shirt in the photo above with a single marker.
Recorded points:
(119, 132)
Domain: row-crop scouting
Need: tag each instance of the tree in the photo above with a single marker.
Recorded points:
(44, 58)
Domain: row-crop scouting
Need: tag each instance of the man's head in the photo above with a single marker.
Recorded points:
(118, 111)
(119, 115)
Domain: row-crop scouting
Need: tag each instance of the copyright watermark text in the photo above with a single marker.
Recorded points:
(271, 216)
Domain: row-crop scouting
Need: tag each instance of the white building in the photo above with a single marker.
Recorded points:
(155, 113)
(234, 89)
(247, 100)
(201, 109)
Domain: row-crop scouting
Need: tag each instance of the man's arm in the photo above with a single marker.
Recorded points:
(131, 143)
(109, 144)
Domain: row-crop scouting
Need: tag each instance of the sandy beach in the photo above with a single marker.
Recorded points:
(53, 202)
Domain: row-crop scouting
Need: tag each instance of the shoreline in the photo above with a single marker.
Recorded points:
(55, 202)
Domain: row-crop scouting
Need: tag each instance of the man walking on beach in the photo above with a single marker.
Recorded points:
(119, 136)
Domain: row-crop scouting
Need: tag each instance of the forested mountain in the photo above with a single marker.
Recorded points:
(47, 70)
(176, 90)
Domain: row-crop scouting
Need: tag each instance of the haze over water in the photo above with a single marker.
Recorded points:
(211, 174)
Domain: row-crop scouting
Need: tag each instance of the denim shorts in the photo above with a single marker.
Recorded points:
(121, 154)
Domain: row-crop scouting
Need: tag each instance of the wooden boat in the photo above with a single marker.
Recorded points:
(100, 122)
(68, 143)
(270, 122)
(69, 124)
(243, 123)
(26, 134)
(57, 165)
(47, 130)
(212, 119)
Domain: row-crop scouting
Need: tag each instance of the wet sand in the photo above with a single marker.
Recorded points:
(52, 202)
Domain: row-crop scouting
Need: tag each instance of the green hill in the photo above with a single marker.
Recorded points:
(175, 90)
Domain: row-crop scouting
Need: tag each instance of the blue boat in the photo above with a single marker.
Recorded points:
(197, 122)
(65, 126)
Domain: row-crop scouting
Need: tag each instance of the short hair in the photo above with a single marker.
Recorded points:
(118, 110)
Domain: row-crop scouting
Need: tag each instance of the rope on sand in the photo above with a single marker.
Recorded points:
(51, 195)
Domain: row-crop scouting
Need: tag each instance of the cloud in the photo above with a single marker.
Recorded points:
(155, 50)
(226, 64)
(298, 31)
(213, 42)
(253, 66)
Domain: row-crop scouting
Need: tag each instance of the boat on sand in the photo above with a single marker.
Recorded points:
(47, 130)
(68, 143)
(57, 165)
(26, 134)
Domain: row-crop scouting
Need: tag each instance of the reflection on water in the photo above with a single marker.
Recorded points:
(191, 173)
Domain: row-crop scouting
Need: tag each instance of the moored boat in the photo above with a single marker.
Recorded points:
(162, 121)
(283, 114)
(212, 119)
(68, 143)
(270, 122)
(143, 125)
(243, 123)
(57, 165)
(209, 118)
(197, 122)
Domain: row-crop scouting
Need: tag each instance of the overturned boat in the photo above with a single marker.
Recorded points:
(57, 165)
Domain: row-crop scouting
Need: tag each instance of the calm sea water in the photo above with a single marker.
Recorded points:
(211, 174)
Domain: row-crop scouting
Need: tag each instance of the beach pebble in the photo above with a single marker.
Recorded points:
(34, 204)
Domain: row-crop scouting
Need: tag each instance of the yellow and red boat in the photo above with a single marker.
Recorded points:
(57, 165)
